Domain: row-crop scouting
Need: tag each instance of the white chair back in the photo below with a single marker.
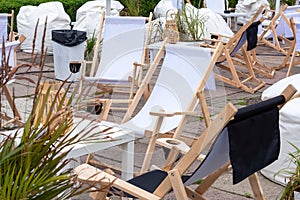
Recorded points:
(183, 70)
(123, 44)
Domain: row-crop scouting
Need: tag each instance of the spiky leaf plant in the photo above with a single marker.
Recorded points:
(33, 162)
(294, 182)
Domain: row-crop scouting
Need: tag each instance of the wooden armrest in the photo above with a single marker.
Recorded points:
(171, 114)
(140, 64)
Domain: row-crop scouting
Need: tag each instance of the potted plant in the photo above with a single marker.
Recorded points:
(33, 162)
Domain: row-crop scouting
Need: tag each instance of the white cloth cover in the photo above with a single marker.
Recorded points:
(89, 14)
(27, 18)
(289, 124)
(3, 27)
(248, 7)
(164, 5)
(214, 23)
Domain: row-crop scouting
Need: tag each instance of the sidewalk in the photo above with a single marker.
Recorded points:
(223, 188)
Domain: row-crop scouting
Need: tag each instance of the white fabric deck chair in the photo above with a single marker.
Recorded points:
(123, 54)
(221, 8)
(179, 85)
(156, 184)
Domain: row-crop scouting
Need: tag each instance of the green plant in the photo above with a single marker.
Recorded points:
(191, 23)
(90, 43)
(33, 162)
(294, 182)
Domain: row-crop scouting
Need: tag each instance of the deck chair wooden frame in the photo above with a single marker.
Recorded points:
(178, 111)
(271, 29)
(93, 176)
(288, 93)
(240, 78)
(172, 178)
(134, 80)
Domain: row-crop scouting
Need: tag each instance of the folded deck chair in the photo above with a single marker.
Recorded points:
(222, 9)
(123, 54)
(249, 142)
(241, 67)
(281, 28)
(182, 77)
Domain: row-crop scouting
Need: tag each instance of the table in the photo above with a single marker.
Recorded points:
(97, 142)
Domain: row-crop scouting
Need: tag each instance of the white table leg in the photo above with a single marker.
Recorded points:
(127, 160)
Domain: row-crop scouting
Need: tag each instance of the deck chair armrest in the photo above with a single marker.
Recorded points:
(140, 65)
(220, 35)
(171, 114)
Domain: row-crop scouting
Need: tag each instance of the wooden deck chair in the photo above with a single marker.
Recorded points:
(295, 48)
(241, 67)
(189, 66)
(281, 28)
(123, 55)
(157, 183)
(254, 126)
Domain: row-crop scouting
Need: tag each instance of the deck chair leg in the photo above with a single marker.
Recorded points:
(210, 179)
(173, 154)
(177, 185)
(204, 107)
(193, 195)
(98, 195)
(151, 145)
(256, 187)
(291, 63)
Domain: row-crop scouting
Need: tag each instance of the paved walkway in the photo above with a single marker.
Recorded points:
(223, 188)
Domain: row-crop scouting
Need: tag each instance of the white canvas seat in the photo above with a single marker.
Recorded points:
(123, 55)
(182, 77)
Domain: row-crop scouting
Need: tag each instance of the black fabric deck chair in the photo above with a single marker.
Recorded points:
(249, 142)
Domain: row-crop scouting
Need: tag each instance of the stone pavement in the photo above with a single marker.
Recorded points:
(223, 188)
